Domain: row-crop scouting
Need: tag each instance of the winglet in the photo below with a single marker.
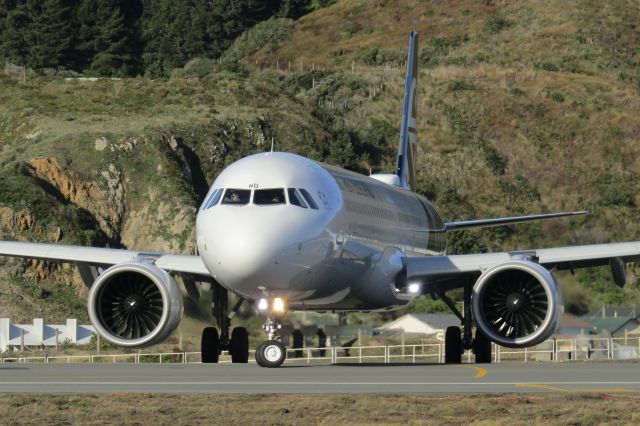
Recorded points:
(405, 168)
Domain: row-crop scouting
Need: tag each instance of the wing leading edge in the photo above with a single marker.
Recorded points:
(430, 268)
(102, 256)
(500, 221)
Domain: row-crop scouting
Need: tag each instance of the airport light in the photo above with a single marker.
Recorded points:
(278, 305)
(263, 304)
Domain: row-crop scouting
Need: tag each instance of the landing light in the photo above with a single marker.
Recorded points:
(414, 288)
(263, 304)
(278, 304)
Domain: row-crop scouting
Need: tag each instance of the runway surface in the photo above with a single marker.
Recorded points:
(329, 379)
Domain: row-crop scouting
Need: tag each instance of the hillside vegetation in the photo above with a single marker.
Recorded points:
(524, 107)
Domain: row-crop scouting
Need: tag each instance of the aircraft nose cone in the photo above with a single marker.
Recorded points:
(242, 248)
(242, 255)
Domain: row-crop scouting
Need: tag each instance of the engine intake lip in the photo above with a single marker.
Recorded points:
(155, 297)
(541, 293)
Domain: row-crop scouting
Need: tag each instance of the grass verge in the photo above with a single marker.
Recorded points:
(575, 409)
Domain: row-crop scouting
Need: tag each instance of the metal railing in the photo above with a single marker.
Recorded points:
(596, 348)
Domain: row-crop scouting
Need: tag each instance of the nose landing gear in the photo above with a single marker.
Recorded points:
(272, 353)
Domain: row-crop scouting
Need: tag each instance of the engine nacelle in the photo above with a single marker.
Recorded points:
(517, 304)
(135, 304)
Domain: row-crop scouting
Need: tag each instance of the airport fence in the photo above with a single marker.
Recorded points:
(555, 350)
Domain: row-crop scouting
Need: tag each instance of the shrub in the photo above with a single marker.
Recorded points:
(520, 189)
(376, 56)
(458, 85)
(495, 23)
(494, 160)
(617, 190)
(557, 96)
(546, 66)
(270, 34)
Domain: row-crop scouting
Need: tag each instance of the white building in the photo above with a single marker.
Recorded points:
(424, 325)
(41, 334)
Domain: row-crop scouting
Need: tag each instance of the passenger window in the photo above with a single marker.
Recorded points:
(269, 196)
(238, 197)
(295, 198)
(214, 199)
(309, 199)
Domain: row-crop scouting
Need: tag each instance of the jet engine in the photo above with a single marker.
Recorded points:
(517, 304)
(135, 304)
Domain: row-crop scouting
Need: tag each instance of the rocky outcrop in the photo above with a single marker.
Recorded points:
(160, 225)
(15, 220)
(103, 200)
(188, 163)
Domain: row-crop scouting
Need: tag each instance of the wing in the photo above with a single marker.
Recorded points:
(433, 269)
(500, 221)
(102, 256)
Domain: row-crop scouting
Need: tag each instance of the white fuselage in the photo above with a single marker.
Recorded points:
(341, 250)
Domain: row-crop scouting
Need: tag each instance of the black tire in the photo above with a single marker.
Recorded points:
(452, 346)
(210, 345)
(239, 346)
(271, 354)
(298, 343)
(482, 348)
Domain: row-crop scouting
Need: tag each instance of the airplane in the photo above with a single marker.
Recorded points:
(288, 233)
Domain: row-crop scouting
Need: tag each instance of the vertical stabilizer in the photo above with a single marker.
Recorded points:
(405, 168)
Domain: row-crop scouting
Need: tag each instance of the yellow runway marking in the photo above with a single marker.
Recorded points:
(592, 390)
(480, 372)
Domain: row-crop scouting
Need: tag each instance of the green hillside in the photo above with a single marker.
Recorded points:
(523, 108)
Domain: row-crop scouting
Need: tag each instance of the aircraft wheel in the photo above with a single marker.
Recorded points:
(452, 346)
(271, 354)
(239, 346)
(210, 345)
(482, 348)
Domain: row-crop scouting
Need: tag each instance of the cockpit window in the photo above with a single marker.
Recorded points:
(269, 196)
(309, 199)
(238, 197)
(214, 199)
(295, 198)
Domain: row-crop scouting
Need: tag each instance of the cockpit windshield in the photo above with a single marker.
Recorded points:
(238, 197)
(309, 199)
(269, 196)
(295, 199)
(213, 200)
(262, 197)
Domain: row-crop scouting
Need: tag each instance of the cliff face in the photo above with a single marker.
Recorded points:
(103, 200)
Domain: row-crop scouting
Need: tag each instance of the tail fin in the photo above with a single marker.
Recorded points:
(405, 168)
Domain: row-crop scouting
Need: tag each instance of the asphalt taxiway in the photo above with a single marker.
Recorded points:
(327, 379)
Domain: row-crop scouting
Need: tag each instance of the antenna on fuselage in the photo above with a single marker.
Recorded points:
(405, 167)
(272, 142)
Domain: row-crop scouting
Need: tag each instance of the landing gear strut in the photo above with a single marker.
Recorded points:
(272, 353)
(213, 343)
(454, 343)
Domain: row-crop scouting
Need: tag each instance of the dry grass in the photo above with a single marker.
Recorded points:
(145, 409)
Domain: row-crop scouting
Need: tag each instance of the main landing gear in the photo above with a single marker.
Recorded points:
(272, 353)
(214, 342)
(455, 343)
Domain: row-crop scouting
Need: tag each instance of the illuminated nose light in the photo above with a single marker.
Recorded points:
(414, 288)
(278, 304)
(263, 305)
